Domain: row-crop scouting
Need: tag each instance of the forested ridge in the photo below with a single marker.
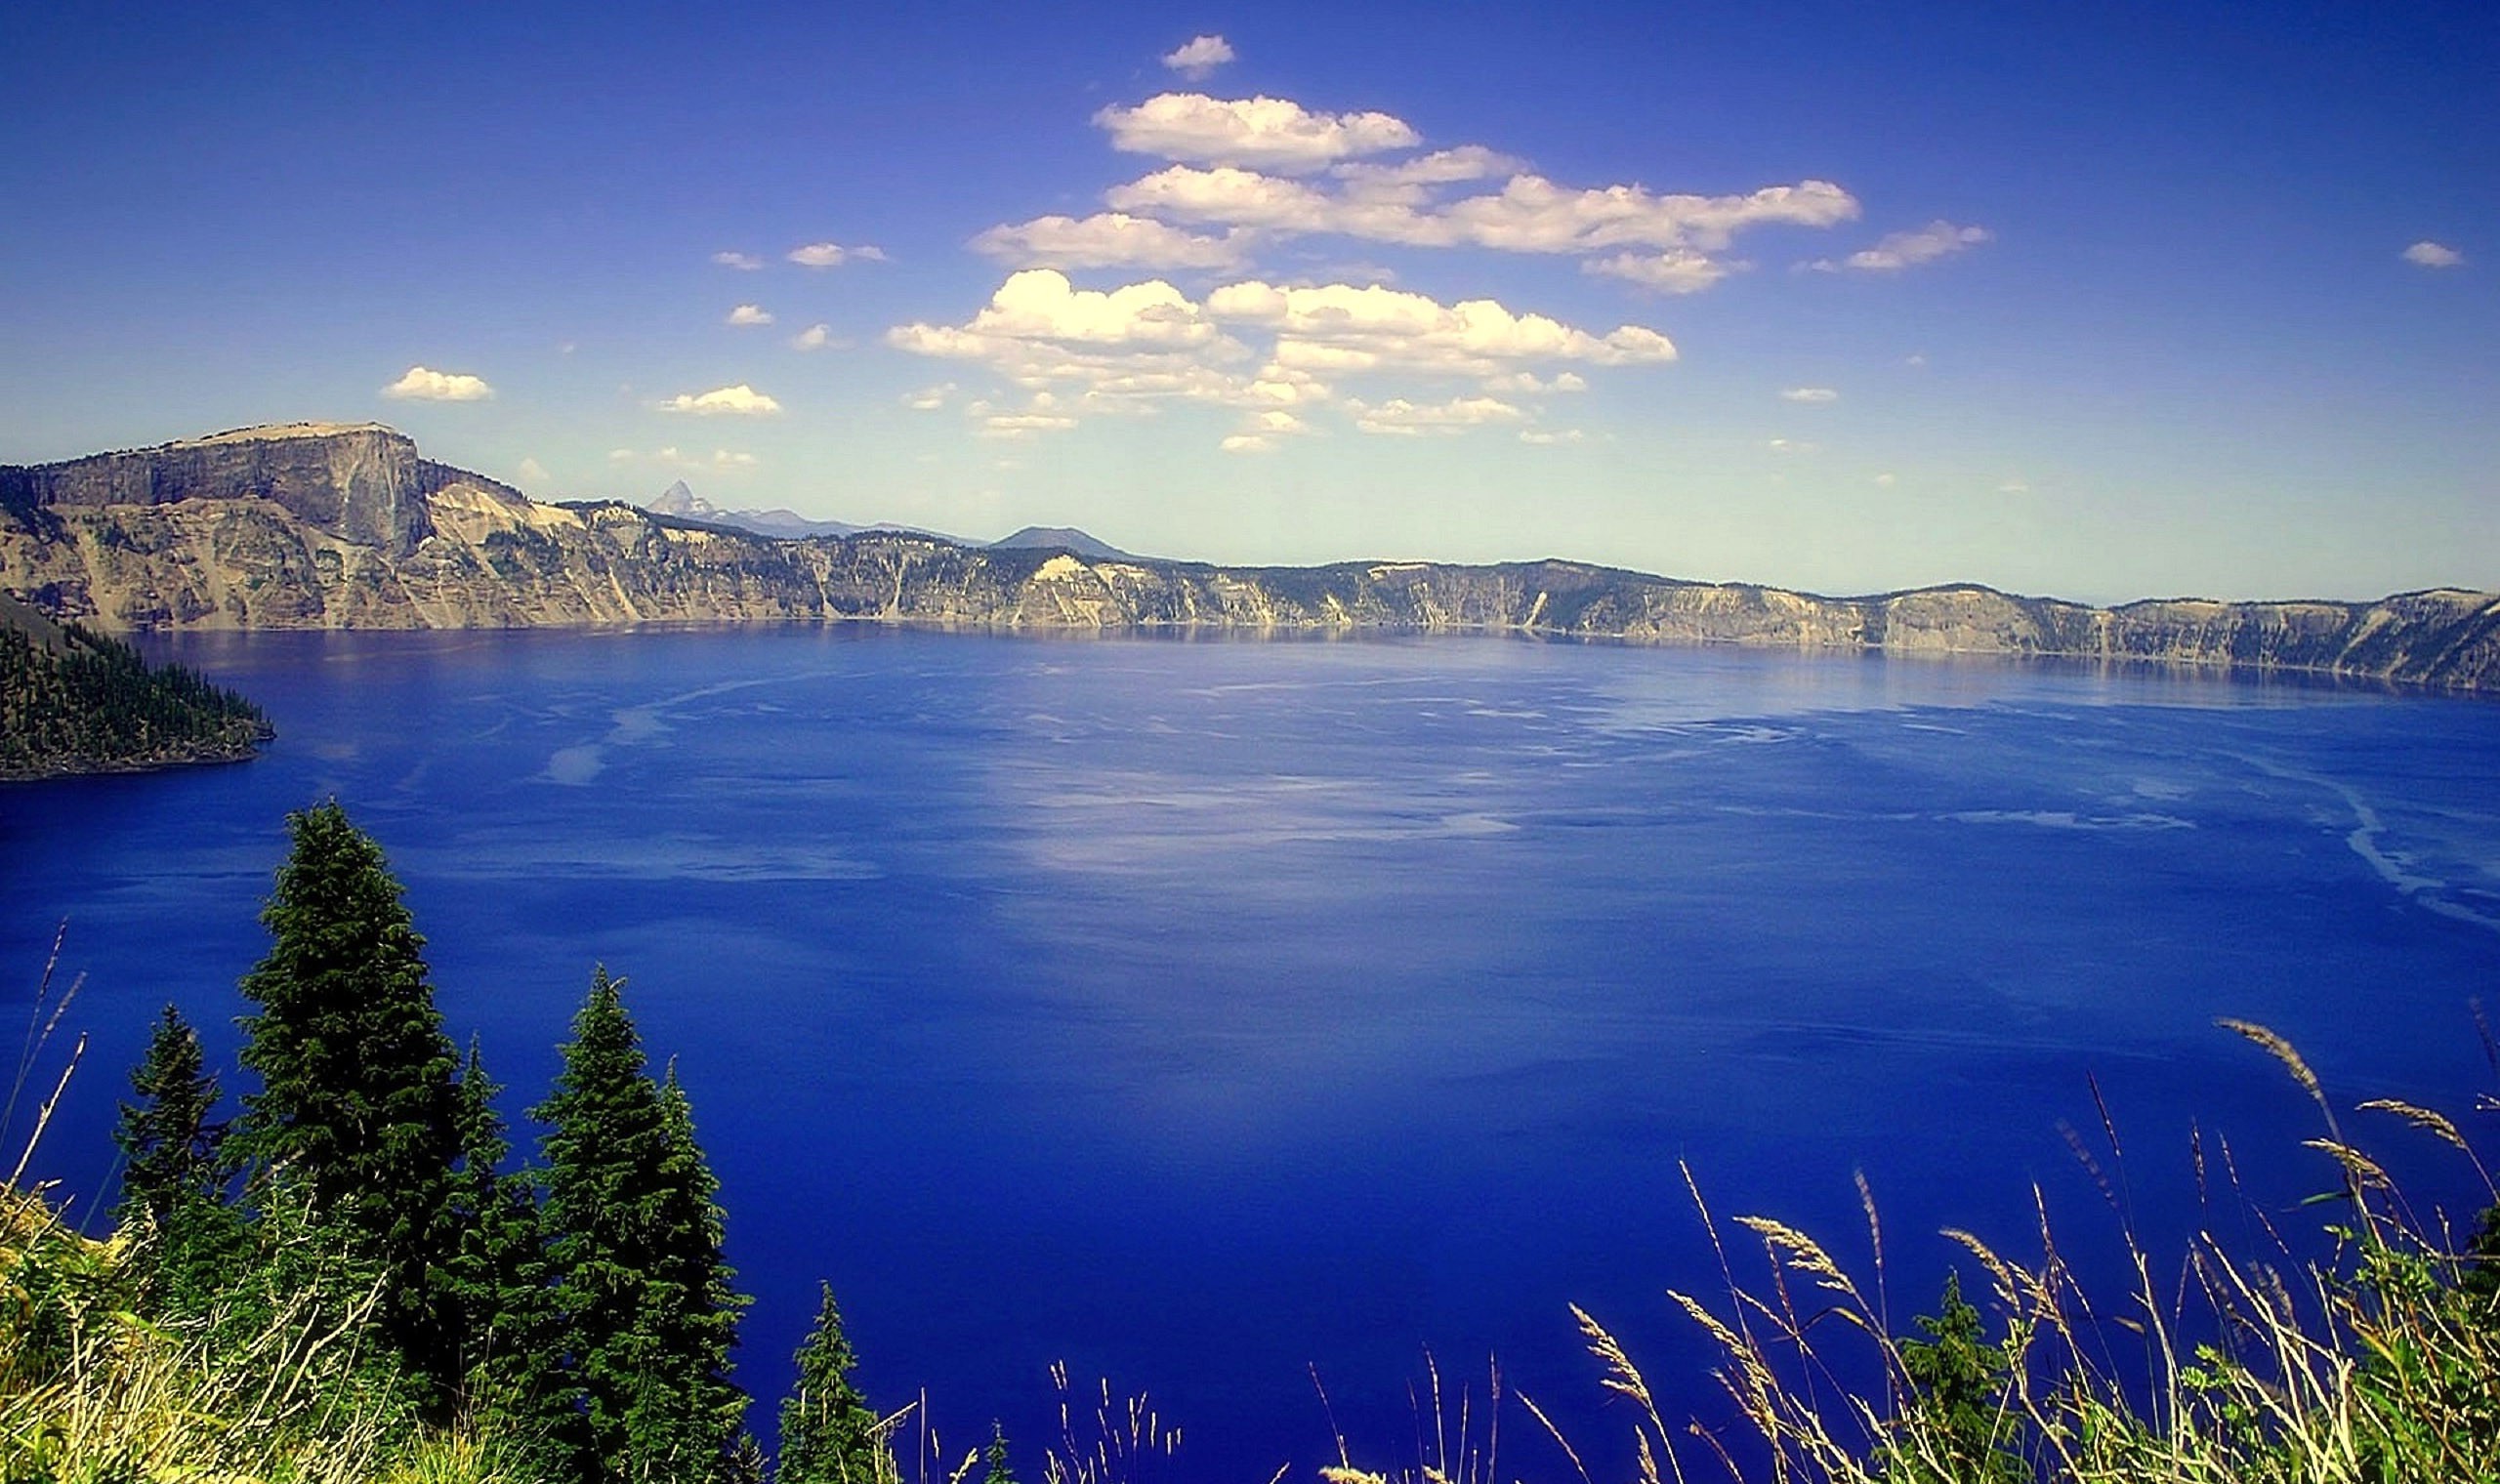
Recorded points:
(75, 701)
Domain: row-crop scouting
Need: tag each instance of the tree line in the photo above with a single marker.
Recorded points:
(72, 700)
(578, 1310)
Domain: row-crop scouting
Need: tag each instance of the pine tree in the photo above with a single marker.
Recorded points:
(357, 1104)
(176, 1179)
(175, 1151)
(641, 1295)
(497, 1277)
(994, 1469)
(829, 1433)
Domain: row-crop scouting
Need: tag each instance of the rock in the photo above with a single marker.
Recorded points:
(345, 526)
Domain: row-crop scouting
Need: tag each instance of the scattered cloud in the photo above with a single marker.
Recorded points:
(1337, 327)
(816, 337)
(1529, 384)
(1546, 437)
(1530, 214)
(1109, 239)
(532, 472)
(833, 254)
(2429, 254)
(1040, 305)
(929, 398)
(1402, 418)
(421, 385)
(740, 400)
(1274, 133)
(1809, 395)
(719, 461)
(1907, 249)
(2014, 488)
(1017, 424)
(1886, 481)
(1792, 446)
(1132, 349)
(750, 314)
(745, 263)
(1915, 361)
(1677, 271)
(1198, 57)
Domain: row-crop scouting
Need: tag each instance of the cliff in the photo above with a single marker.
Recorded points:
(339, 526)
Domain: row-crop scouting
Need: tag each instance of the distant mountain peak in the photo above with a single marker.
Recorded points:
(1068, 538)
(678, 500)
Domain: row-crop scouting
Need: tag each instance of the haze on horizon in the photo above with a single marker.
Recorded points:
(2103, 301)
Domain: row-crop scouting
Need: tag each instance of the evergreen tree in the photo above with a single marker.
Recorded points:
(508, 1352)
(358, 1107)
(829, 1433)
(1958, 1384)
(693, 1274)
(175, 1151)
(994, 1470)
(643, 1298)
(175, 1183)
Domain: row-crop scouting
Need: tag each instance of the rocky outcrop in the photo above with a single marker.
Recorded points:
(326, 527)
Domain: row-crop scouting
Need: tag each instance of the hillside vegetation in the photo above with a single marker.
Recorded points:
(344, 1277)
(74, 701)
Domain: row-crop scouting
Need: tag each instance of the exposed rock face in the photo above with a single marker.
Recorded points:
(345, 528)
(362, 482)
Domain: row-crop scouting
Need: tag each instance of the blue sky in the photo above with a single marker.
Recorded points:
(2101, 300)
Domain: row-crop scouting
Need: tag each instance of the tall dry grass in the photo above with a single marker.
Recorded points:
(2376, 1363)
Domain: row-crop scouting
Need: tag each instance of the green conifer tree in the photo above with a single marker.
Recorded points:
(174, 1148)
(175, 1183)
(643, 1300)
(510, 1350)
(357, 1104)
(993, 1457)
(829, 1433)
(1957, 1384)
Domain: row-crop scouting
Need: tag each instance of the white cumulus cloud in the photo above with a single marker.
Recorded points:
(1016, 425)
(833, 254)
(745, 263)
(1274, 132)
(1272, 352)
(750, 314)
(1907, 249)
(1337, 327)
(1809, 395)
(1108, 240)
(740, 400)
(423, 385)
(816, 337)
(1402, 418)
(1545, 436)
(1198, 57)
(1677, 271)
(1040, 305)
(2429, 254)
(929, 398)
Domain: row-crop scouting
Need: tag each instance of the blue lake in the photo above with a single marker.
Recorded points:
(1195, 1012)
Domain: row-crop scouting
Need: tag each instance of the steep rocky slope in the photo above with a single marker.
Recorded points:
(338, 527)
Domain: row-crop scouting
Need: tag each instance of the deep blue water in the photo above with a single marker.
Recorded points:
(1192, 1012)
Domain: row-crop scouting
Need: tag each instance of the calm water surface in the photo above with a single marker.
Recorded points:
(1196, 1011)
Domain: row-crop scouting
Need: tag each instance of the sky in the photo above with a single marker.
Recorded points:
(2105, 301)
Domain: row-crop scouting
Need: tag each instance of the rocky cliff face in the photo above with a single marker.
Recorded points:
(327, 526)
